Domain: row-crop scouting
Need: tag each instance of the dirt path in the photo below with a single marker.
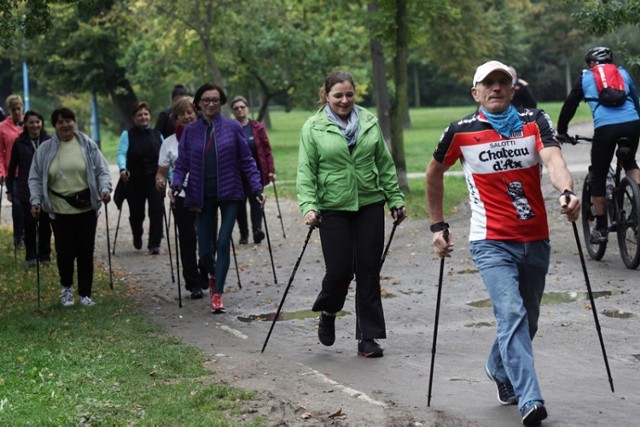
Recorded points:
(299, 382)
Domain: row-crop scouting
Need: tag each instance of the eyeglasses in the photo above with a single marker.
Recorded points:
(207, 101)
(239, 107)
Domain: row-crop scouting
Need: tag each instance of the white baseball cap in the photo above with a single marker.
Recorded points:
(487, 68)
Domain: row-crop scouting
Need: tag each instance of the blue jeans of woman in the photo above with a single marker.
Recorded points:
(514, 274)
(214, 252)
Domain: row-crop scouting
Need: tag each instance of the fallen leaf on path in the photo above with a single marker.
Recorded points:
(338, 415)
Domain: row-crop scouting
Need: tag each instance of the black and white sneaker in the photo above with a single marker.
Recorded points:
(599, 235)
(369, 348)
(506, 394)
(533, 412)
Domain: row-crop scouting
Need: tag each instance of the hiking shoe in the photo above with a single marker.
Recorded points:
(327, 329)
(196, 293)
(87, 301)
(216, 303)
(258, 236)
(599, 235)
(533, 412)
(32, 262)
(506, 394)
(369, 348)
(137, 242)
(66, 297)
(243, 240)
(154, 251)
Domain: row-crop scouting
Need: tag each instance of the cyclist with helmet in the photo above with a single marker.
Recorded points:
(610, 124)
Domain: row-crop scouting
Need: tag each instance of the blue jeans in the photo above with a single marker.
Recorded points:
(514, 275)
(210, 246)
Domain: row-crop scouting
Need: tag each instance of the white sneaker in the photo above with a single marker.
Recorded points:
(66, 297)
(86, 301)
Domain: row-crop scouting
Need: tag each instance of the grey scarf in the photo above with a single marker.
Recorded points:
(350, 131)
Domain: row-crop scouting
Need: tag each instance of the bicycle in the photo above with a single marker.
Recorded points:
(622, 207)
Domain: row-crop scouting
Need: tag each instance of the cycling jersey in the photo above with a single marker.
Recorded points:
(503, 174)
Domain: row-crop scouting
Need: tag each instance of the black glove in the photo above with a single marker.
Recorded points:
(399, 214)
(564, 138)
(176, 190)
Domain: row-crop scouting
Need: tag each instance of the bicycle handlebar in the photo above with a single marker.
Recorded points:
(573, 140)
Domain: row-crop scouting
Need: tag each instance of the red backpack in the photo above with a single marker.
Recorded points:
(610, 84)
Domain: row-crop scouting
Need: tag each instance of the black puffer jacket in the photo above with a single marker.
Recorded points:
(21, 157)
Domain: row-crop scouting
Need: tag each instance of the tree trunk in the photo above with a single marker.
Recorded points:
(123, 97)
(380, 90)
(399, 107)
(416, 85)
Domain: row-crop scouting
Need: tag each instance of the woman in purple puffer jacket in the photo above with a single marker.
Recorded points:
(214, 152)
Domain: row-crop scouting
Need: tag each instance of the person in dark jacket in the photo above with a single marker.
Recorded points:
(215, 154)
(166, 123)
(138, 161)
(522, 93)
(25, 146)
(260, 148)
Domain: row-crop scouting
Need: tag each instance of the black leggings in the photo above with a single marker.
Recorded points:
(353, 242)
(75, 237)
(603, 149)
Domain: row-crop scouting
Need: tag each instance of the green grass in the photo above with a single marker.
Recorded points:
(427, 125)
(100, 365)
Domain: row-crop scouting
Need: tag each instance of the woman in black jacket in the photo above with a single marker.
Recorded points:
(22, 153)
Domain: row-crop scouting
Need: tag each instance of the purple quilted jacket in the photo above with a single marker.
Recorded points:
(233, 156)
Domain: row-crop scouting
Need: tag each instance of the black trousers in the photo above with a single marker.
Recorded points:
(136, 198)
(186, 222)
(17, 216)
(256, 216)
(353, 242)
(44, 236)
(75, 237)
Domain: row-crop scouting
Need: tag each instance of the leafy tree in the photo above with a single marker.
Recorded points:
(81, 53)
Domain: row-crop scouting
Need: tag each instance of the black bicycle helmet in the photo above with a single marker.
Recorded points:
(602, 55)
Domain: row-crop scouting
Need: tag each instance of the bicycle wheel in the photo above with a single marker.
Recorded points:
(629, 223)
(595, 250)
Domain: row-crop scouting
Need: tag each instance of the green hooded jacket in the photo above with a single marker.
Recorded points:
(332, 178)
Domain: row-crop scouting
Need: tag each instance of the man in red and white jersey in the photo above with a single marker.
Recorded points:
(502, 150)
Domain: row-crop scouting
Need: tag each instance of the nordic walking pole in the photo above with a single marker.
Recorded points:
(175, 236)
(115, 238)
(235, 260)
(435, 325)
(593, 303)
(399, 214)
(166, 228)
(38, 258)
(275, 192)
(266, 230)
(106, 221)
(293, 274)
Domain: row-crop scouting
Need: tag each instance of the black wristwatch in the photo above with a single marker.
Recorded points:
(566, 193)
(438, 226)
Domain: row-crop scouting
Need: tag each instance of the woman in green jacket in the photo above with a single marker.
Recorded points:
(345, 176)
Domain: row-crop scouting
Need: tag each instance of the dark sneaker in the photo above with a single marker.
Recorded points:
(506, 394)
(599, 236)
(327, 329)
(533, 412)
(196, 293)
(137, 242)
(154, 251)
(243, 240)
(369, 348)
(258, 236)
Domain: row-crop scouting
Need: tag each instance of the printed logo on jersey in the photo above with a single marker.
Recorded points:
(515, 191)
(501, 156)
